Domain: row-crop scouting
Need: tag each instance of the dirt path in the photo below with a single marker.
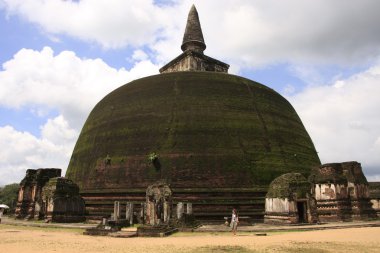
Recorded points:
(21, 239)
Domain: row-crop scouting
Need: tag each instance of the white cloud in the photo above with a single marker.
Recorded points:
(343, 119)
(250, 33)
(244, 33)
(139, 55)
(110, 23)
(57, 130)
(289, 89)
(308, 74)
(20, 151)
(63, 83)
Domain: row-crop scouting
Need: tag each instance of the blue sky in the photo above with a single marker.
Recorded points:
(59, 58)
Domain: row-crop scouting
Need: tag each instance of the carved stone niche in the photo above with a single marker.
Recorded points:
(158, 204)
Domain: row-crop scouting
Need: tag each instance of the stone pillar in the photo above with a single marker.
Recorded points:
(37, 210)
(21, 194)
(116, 210)
(166, 212)
(151, 213)
(34, 191)
(189, 208)
(129, 213)
(142, 213)
(179, 210)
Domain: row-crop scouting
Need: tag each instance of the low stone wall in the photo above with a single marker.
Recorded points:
(208, 205)
(280, 211)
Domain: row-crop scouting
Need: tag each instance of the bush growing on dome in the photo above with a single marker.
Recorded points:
(152, 157)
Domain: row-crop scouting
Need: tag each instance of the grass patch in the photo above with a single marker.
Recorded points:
(279, 232)
(303, 250)
(47, 229)
(228, 233)
(187, 234)
(325, 247)
(223, 249)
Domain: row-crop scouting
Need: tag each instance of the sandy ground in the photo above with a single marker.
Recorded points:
(24, 239)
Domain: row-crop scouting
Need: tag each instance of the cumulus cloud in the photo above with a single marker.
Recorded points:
(139, 55)
(63, 83)
(57, 130)
(245, 33)
(343, 119)
(110, 23)
(317, 32)
(21, 150)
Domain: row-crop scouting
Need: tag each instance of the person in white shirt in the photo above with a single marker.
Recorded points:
(234, 221)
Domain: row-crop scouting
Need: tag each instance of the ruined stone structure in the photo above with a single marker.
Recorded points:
(358, 191)
(374, 195)
(29, 204)
(158, 204)
(44, 194)
(61, 201)
(342, 192)
(289, 201)
(218, 139)
(334, 192)
(193, 45)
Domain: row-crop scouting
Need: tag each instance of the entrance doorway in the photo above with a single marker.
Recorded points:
(301, 208)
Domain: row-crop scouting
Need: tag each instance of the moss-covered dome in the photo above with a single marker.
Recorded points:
(288, 185)
(206, 129)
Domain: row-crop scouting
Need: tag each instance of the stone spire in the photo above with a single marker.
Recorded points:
(193, 45)
(193, 37)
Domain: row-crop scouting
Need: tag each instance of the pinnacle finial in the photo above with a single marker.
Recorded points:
(193, 37)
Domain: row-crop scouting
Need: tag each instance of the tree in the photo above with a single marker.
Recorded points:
(8, 196)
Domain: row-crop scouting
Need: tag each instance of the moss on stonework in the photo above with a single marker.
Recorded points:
(288, 185)
(328, 173)
(60, 187)
(209, 129)
(374, 190)
(354, 173)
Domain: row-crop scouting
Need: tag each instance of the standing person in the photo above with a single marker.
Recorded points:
(234, 221)
(1, 213)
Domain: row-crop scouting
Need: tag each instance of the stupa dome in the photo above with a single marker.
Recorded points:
(208, 130)
(210, 135)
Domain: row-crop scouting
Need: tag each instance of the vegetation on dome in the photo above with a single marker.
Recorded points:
(152, 157)
(285, 186)
(210, 129)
